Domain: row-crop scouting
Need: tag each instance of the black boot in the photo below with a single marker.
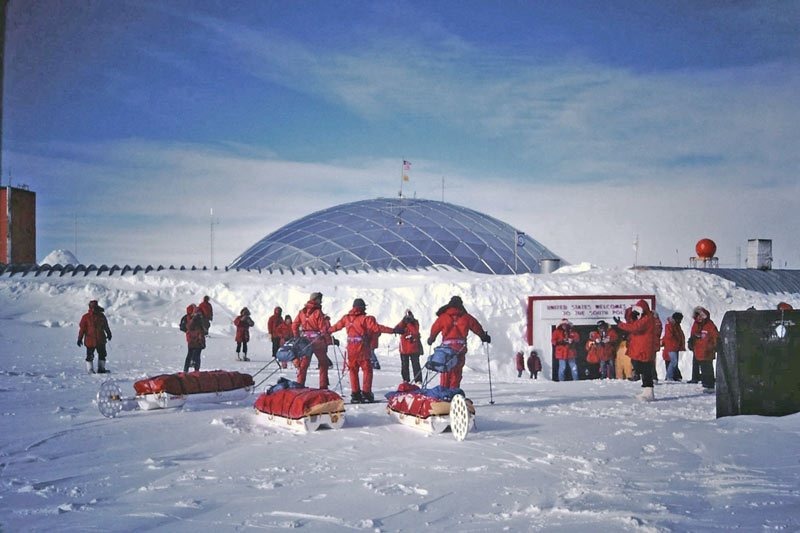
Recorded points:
(355, 397)
(367, 397)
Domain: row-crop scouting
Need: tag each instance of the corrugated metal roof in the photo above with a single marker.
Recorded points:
(763, 281)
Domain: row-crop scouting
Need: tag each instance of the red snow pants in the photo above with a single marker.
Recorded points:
(363, 364)
(321, 353)
(452, 379)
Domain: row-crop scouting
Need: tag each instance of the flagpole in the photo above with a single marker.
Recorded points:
(402, 175)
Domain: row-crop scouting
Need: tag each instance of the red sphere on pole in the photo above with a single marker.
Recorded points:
(705, 248)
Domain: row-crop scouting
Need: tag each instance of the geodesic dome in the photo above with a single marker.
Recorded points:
(396, 233)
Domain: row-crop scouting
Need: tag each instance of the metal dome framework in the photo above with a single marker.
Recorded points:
(392, 233)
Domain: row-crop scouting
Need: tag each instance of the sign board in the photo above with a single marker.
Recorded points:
(545, 312)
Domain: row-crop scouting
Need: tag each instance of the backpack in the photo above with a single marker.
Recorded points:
(443, 359)
(295, 348)
(183, 327)
(282, 384)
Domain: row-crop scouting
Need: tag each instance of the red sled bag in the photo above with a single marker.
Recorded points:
(411, 400)
(298, 403)
(193, 383)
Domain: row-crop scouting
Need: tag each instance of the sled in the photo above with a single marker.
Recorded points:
(300, 409)
(307, 424)
(167, 391)
(415, 408)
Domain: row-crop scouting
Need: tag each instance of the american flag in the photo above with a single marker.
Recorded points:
(406, 165)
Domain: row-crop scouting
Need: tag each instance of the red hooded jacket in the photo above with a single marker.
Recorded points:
(454, 323)
(673, 340)
(243, 323)
(274, 321)
(565, 340)
(93, 329)
(409, 338)
(361, 330)
(640, 334)
(706, 336)
(311, 320)
(602, 345)
(195, 328)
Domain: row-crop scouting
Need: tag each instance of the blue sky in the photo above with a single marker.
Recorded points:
(582, 124)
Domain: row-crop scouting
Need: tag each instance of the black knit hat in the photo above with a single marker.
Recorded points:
(358, 303)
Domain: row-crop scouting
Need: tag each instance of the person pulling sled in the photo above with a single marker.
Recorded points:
(454, 323)
(311, 322)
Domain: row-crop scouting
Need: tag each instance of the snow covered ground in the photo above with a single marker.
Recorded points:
(545, 457)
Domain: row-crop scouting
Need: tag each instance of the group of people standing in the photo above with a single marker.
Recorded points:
(453, 323)
(641, 330)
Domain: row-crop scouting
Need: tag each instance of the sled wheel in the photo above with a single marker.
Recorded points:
(459, 417)
(108, 399)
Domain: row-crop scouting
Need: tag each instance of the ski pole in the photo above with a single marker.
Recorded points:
(266, 378)
(489, 365)
(338, 370)
(265, 366)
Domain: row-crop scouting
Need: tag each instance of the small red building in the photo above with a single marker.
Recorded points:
(17, 225)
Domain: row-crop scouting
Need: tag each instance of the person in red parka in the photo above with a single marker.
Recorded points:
(602, 347)
(243, 323)
(361, 329)
(640, 346)
(520, 357)
(703, 342)
(272, 325)
(283, 332)
(673, 342)
(312, 324)
(410, 347)
(195, 337)
(207, 312)
(93, 332)
(454, 323)
(565, 339)
(534, 364)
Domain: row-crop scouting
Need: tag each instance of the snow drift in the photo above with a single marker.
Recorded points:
(545, 456)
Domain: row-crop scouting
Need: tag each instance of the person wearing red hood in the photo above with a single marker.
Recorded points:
(196, 332)
(361, 329)
(207, 312)
(534, 365)
(410, 347)
(272, 328)
(641, 332)
(703, 343)
(454, 323)
(93, 332)
(520, 359)
(283, 332)
(673, 342)
(311, 322)
(565, 339)
(243, 323)
(602, 347)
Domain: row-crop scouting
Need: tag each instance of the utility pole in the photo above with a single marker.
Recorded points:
(3, 12)
(212, 224)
